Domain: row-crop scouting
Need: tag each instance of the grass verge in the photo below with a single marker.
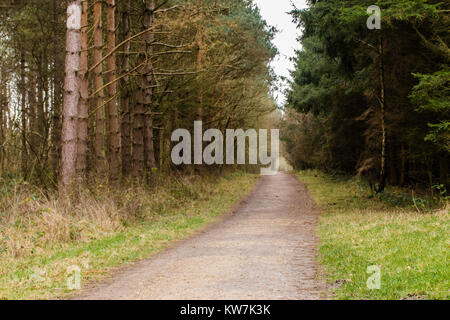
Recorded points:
(43, 244)
(360, 235)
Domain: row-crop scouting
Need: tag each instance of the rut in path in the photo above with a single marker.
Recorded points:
(265, 250)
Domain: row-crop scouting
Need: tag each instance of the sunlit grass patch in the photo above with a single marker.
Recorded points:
(356, 231)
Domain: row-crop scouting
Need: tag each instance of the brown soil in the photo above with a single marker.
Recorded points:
(265, 250)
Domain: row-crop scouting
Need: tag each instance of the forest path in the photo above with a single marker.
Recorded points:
(265, 250)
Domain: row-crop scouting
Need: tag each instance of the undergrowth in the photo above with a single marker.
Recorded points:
(407, 242)
(41, 237)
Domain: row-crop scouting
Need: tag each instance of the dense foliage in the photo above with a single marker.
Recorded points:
(375, 102)
(203, 60)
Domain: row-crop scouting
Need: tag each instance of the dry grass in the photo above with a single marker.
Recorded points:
(31, 220)
(41, 236)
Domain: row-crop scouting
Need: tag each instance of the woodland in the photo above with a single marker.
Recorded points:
(99, 100)
(374, 103)
(92, 90)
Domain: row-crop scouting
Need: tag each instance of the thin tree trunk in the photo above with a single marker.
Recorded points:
(57, 90)
(198, 67)
(3, 108)
(34, 139)
(24, 154)
(71, 94)
(98, 83)
(138, 135)
(83, 105)
(125, 92)
(40, 118)
(149, 151)
(46, 108)
(113, 117)
(382, 179)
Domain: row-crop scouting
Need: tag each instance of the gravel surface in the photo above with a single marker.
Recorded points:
(265, 250)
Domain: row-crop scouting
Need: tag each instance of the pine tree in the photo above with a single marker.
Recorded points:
(71, 94)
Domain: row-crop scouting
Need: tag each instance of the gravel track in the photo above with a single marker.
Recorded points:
(266, 249)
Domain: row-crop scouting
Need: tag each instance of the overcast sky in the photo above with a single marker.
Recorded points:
(275, 13)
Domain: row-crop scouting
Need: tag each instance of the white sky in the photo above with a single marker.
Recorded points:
(275, 13)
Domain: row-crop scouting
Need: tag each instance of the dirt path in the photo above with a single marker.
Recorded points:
(266, 250)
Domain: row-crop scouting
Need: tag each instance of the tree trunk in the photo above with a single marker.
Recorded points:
(40, 113)
(57, 89)
(22, 89)
(382, 179)
(83, 105)
(143, 124)
(113, 117)
(198, 67)
(149, 152)
(71, 94)
(3, 108)
(125, 92)
(34, 139)
(45, 108)
(98, 83)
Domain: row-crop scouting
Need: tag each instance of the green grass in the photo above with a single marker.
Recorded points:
(356, 231)
(45, 274)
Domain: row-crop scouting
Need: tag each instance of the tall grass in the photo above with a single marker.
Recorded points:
(108, 225)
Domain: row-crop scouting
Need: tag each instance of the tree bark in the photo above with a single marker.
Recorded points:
(41, 137)
(113, 117)
(143, 125)
(34, 139)
(198, 67)
(45, 108)
(125, 92)
(3, 108)
(149, 151)
(71, 94)
(23, 94)
(57, 90)
(83, 105)
(98, 83)
(382, 179)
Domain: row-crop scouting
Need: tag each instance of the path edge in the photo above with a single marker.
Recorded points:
(117, 271)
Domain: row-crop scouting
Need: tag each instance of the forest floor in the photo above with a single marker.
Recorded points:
(388, 237)
(265, 250)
